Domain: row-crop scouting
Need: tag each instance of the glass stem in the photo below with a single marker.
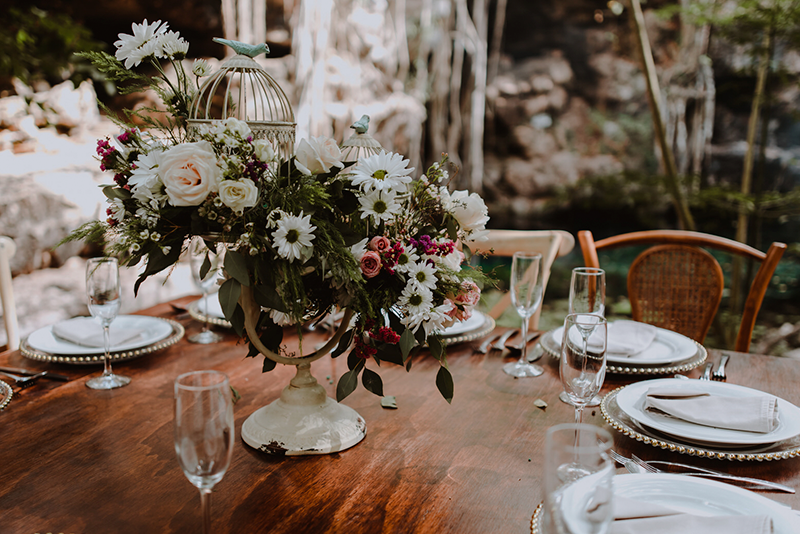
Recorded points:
(107, 347)
(524, 331)
(578, 415)
(205, 311)
(205, 505)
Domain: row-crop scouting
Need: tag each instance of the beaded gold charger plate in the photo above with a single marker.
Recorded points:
(176, 332)
(5, 394)
(553, 348)
(482, 324)
(623, 423)
(536, 519)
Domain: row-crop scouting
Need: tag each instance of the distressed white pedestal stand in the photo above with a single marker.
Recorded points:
(304, 420)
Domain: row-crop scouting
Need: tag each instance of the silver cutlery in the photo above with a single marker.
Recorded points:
(24, 381)
(28, 372)
(500, 344)
(719, 374)
(487, 343)
(627, 463)
(707, 372)
(521, 343)
(752, 483)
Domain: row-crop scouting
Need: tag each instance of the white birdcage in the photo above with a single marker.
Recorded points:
(242, 89)
(360, 145)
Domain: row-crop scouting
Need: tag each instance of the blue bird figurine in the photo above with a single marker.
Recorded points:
(361, 125)
(244, 48)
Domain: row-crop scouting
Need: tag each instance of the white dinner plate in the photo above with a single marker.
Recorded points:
(631, 400)
(462, 327)
(704, 497)
(214, 307)
(154, 330)
(667, 348)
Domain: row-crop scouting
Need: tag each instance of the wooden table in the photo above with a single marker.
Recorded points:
(78, 460)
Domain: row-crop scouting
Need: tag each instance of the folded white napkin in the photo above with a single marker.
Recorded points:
(635, 517)
(87, 332)
(625, 338)
(753, 414)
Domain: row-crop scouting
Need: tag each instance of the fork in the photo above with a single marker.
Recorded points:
(627, 463)
(24, 381)
(751, 483)
(707, 372)
(501, 343)
(719, 374)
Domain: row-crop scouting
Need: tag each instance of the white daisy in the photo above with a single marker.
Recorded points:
(406, 260)
(133, 48)
(280, 318)
(171, 45)
(145, 182)
(201, 68)
(383, 171)
(381, 205)
(423, 274)
(359, 249)
(293, 237)
(415, 299)
(117, 210)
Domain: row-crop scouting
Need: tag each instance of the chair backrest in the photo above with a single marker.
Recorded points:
(676, 287)
(769, 261)
(551, 244)
(7, 250)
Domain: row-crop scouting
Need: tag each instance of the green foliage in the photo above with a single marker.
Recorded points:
(39, 45)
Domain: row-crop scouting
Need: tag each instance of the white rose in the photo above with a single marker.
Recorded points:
(263, 150)
(318, 155)
(235, 126)
(189, 172)
(238, 194)
(470, 212)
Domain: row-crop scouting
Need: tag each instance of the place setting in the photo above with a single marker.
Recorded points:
(105, 336)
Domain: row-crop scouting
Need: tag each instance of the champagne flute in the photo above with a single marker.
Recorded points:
(526, 296)
(203, 431)
(578, 480)
(582, 366)
(102, 289)
(587, 294)
(199, 254)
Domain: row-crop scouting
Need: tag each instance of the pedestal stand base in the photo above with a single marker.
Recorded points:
(286, 429)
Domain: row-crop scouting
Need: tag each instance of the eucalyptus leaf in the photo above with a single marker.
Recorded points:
(205, 267)
(389, 353)
(268, 365)
(407, 343)
(267, 297)
(347, 384)
(372, 382)
(229, 293)
(444, 382)
(157, 261)
(344, 343)
(452, 231)
(236, 267)
(389, 402)
(435, 344)
(237, 321)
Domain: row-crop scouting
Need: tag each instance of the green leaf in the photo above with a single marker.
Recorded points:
(272, 337)
(389, 353)
(435, 344)
(157, 261)
(347, 384)
(267, 297)
(113, 192)
(229, 293)
(236, 266)
(419, 335)
(444, 382)
(268, 365)
(407, 343)
(467, 252)
(237, 321)
(205, 267)
(389, 402)
(372, 382)
(353, 360)
(452, 231)
(347, 338)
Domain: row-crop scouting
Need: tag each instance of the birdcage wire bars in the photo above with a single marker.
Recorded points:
(243, 89)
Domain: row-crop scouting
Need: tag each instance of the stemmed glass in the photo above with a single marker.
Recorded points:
(587, 294)
(199, 254)
(102, 289)
(582, 366)
(526, 296)
(203, 431)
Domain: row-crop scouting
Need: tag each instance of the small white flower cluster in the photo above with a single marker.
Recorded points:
(150, 40)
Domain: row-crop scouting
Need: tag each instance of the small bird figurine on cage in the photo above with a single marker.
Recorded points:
(361, 125)
(244, 48)
(361, 144)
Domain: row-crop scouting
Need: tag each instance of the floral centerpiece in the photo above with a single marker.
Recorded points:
(304, 235)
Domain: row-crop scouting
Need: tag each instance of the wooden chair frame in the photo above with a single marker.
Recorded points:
(769, 261)
(551, 244)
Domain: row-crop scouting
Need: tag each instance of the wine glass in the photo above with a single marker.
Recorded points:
(203, 431)
(526, 296)
(102, 289)
(587, 294)
(582, 366)
(199, 254)
(578, 480)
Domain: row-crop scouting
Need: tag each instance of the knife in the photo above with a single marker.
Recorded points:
(696, 471)
(30, 372)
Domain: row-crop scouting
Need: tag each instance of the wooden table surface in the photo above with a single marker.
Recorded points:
(78, 460)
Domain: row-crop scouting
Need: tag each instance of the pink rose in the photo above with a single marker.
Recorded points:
(457, 313)
(379, 243)
(370, 264)
(189, 172)
(470, 294)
